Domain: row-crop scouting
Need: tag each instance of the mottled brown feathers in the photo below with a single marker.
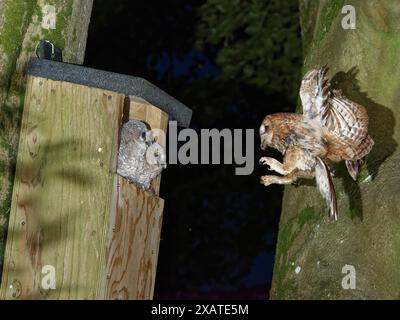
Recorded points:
(331, 129)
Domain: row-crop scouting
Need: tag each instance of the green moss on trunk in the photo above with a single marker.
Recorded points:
(364, 64)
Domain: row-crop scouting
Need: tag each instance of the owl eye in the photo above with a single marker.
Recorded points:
(143, 135)
(263, 129)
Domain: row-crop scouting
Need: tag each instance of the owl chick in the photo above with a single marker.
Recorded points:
(331, 129)
(140, 158)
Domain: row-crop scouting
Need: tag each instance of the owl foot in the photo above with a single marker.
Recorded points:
(267, 180)
(275, 165)
(265, 162)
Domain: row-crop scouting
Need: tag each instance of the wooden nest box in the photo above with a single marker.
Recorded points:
(77, 230)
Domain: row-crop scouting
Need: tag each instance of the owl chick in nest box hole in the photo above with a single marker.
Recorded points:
(140, 158)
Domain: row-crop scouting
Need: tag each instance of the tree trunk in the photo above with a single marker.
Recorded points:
(312, 251)
(22, 25)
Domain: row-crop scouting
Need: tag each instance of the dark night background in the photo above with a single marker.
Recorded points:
(232, 62)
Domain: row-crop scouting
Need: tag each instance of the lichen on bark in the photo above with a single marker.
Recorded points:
(364, 64)
(20, 32)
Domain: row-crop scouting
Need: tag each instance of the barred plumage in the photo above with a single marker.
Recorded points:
(331, 129)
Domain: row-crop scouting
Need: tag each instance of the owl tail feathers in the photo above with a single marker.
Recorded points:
(353, 167)
(326, 187)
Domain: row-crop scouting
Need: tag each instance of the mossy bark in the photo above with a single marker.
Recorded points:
(312, 250)
(20, 31)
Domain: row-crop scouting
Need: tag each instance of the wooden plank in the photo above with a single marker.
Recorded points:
(144, 111)
(62, 192)
(134, 243)
(135, 225)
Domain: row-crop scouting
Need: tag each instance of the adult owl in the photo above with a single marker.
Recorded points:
(140, 158)
(331, 129)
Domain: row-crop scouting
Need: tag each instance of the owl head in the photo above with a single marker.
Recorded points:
(266, 133)
(156, 156)
(138, 131)
(275, 128)
(147, 137)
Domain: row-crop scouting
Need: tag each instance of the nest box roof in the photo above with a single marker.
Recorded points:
(128, 85)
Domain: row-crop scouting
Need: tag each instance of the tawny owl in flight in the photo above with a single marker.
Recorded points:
(331, 129)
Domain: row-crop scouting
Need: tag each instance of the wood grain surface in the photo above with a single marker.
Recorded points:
(135, 224)
(61, 198)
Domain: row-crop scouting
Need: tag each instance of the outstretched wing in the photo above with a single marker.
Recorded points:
(345, 120)
(315, 92)
(326, 187)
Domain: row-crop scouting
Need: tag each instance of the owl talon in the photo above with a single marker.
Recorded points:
(266, 180)
(264, 161)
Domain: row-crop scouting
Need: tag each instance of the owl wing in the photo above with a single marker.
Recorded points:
(320, 94)
(346, 120)
(326, 187)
